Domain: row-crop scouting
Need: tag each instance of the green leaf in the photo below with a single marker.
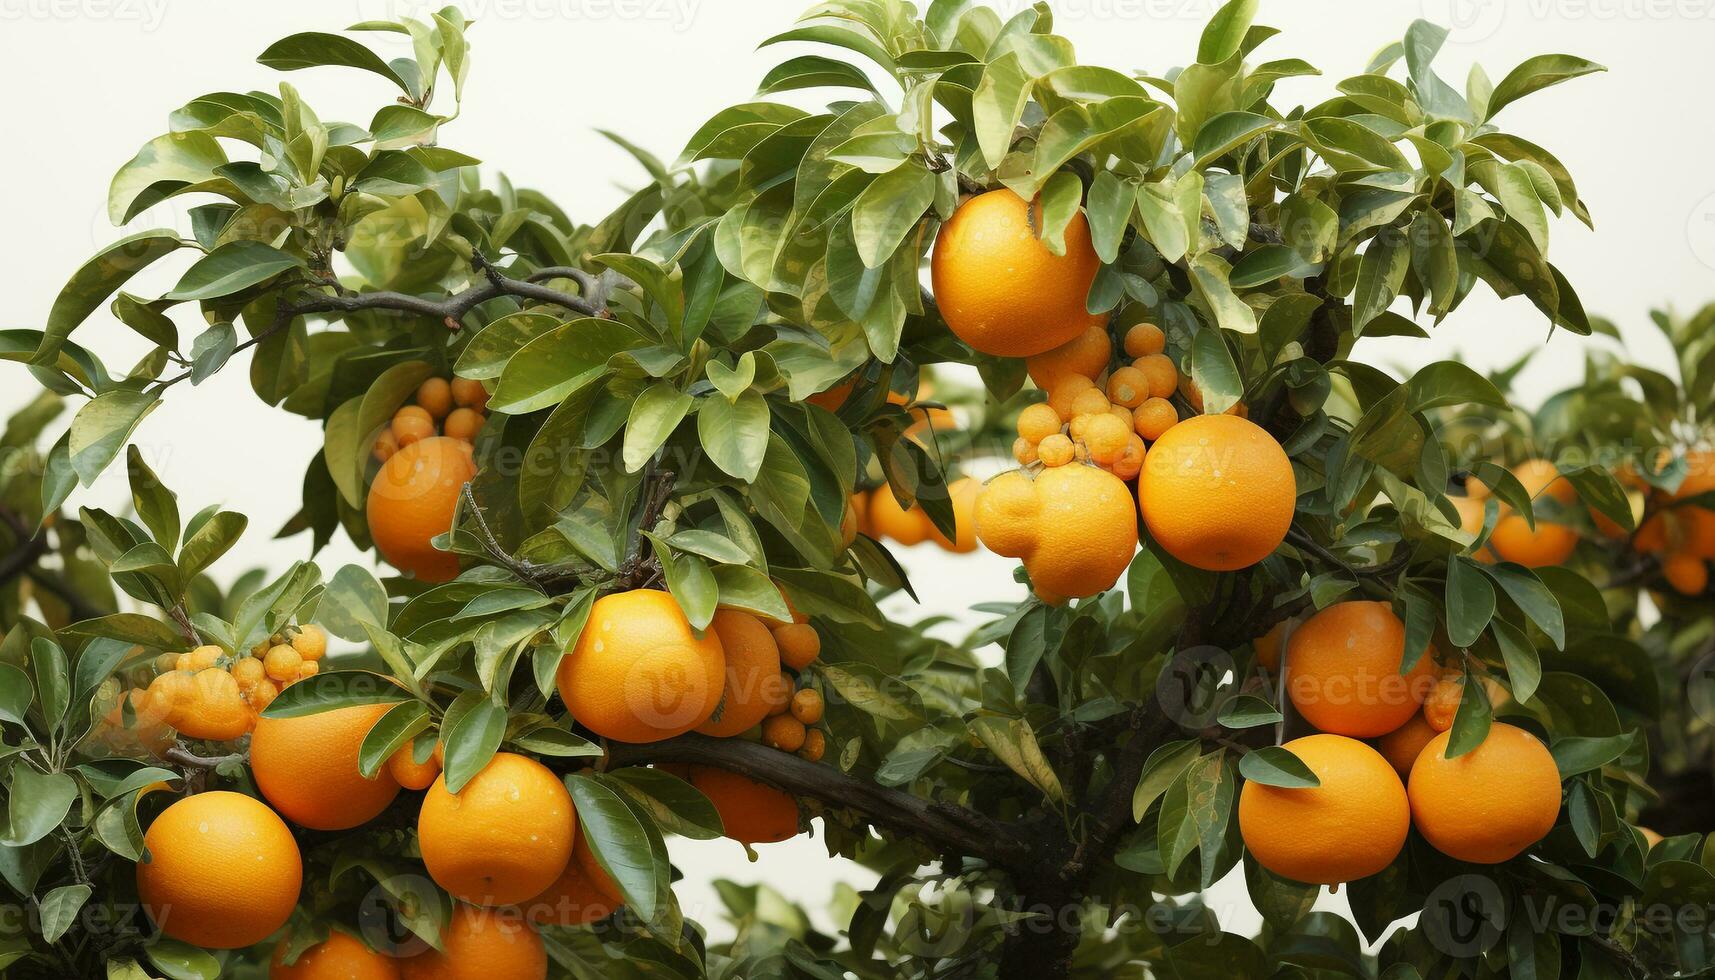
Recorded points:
(1470, 601)
(1210, 280)
(16, 694)
(391, 732)
(1164, 767)
(37, 804)
(550, 368)
(1471, 722)
(654, 416)
(1057, 205)
(155, 504)
(1014, 743)
(353, 599)
(676, 807)
(888, 209)
(735, 433)
(1533, 598)
(103, 426)
(165, 165)
(334, 689)
(619, 842)
(1226, 32)
(1538, 73)
(469, 743)
(90, 286)
(209, 540)
(232, 267)
(1273, 765)
(59, 910)
(1577, 754)
(1380, 275)
(1109, 208)
(1215, 372)
(813, 71)
(998, 104)
(690, 581)
(311, 50)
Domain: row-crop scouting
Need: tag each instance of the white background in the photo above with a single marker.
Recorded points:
(83, 83)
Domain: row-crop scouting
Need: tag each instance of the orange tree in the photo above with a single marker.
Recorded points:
(619, 467)
(1651, 430)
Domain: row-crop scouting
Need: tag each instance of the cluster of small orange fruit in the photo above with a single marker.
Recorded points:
(1381, 758)
(209, 694)
(446, 407)
(877, 513)
(1085, 421)
(1683, 536)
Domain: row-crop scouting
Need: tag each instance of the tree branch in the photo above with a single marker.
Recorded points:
(946, 827)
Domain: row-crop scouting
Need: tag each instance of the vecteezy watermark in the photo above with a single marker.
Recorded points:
(677, 15)
(1467, 21)
(1189, 689)
(1700, 231)
(148, 13)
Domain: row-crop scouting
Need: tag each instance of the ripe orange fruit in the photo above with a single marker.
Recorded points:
(310, 642)
(807, 706)
(411, 774)
(1403, 745)
(1542, 478)
(752, 671)
(436, 397)
(1154, 417)
(1698, 522)
(799, 644)
(221, 871)
(1159, 373)
(1549, 544)
(413, 499)
(463, 423)
(574, 899)
(1090, 401)
(999, 287)
(282, 663)
(908, 527)
(815, 746)
(832, 398)
(1072, 526)
(962, 493)
(1065, 391)
(212, 707)
(1490, 803)
(501, 839)
(469, 393)
(1351, 826)
(783, 732)
(339, 957)
(751, 813)
(1038, 422)
(1687, 573)
(1472, 514)
(586, 861)
(481, 944)
(1343, 670)
(1441, 706)
(1130, 463)
(638, 673)
(307, 768)
(1268, 647)
(385, 446)
(412, 424)
(1086, 354)
(1144, 339)
(1106, 438)
(1056, 450)
(1128, 387)
(1024, 451)
(1217, 492)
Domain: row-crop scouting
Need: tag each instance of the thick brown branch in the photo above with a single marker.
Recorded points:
(946, 827)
